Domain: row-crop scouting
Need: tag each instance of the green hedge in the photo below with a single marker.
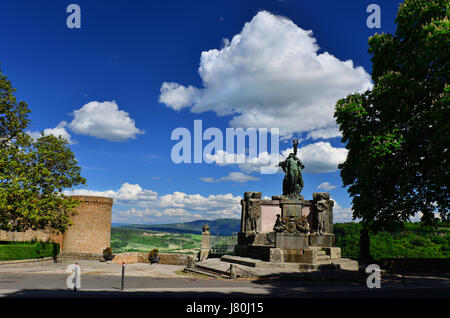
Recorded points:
(27, 250)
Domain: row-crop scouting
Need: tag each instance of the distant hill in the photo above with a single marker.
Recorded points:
(220, 226)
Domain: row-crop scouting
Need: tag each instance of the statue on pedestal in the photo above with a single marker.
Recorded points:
(293, 181)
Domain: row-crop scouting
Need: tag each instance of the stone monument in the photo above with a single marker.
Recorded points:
(287, 227)
(286, 232)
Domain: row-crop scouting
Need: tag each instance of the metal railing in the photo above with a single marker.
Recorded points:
(223, 244)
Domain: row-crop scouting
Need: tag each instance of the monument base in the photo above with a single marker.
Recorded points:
(324, 240)
(291, 240)
(257, 252)
(256, 239)
(311, 255)
(326, 269)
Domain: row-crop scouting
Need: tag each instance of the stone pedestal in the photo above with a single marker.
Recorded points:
(311, 255)
(324, 240)
(291, 208)
(291, 240)
(205, 249)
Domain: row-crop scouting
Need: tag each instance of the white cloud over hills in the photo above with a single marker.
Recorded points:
(271, 75)
(133, 204)
(147, 206)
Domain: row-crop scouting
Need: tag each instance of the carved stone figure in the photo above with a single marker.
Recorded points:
(291, 224)
(293, 181)
(322, 206)
(251, 207)
(205, 229)
(280, 225)
(302, 224)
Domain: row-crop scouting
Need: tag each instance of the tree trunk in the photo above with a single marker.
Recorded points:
(364, 247)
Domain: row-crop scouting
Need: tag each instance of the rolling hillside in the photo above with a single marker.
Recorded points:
(223, 227)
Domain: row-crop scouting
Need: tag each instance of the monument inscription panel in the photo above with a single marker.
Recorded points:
(268, 217)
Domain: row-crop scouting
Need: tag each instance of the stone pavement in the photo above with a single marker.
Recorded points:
(99, 279)
(89, 267)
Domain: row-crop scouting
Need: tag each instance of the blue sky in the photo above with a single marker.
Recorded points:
(136, 70)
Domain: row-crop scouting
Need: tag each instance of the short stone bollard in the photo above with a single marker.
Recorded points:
(232, 271)
(190, 262)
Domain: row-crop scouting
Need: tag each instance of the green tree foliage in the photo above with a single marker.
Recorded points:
(33, 173)
(412, 241)
(397, 134)
(13, 115)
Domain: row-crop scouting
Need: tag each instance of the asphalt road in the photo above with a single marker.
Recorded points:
(54, 285)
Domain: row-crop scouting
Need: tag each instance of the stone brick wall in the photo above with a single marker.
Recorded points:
(91, 231)
(84, 256)
(30, 235)
(141, 257)
(129, 258)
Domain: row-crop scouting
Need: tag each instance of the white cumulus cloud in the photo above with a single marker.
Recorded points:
(326, 186)
(104, 120)
(317, 157)
(341, 214)
(271, 75)
(322, 157)
(232, 176)
(59, 130)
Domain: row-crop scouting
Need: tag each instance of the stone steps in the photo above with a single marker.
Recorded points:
(250, 262)
(214, 266)
(202, 272)
(247, 267)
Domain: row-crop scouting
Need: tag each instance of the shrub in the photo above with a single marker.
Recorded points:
(153, 253)
(107, 251)
(28, 250)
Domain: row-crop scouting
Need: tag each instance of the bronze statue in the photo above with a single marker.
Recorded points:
(293, 181)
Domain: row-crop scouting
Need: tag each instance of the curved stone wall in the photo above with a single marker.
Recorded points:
(91, 229)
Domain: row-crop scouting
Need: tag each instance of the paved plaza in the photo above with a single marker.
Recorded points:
(100, 279)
